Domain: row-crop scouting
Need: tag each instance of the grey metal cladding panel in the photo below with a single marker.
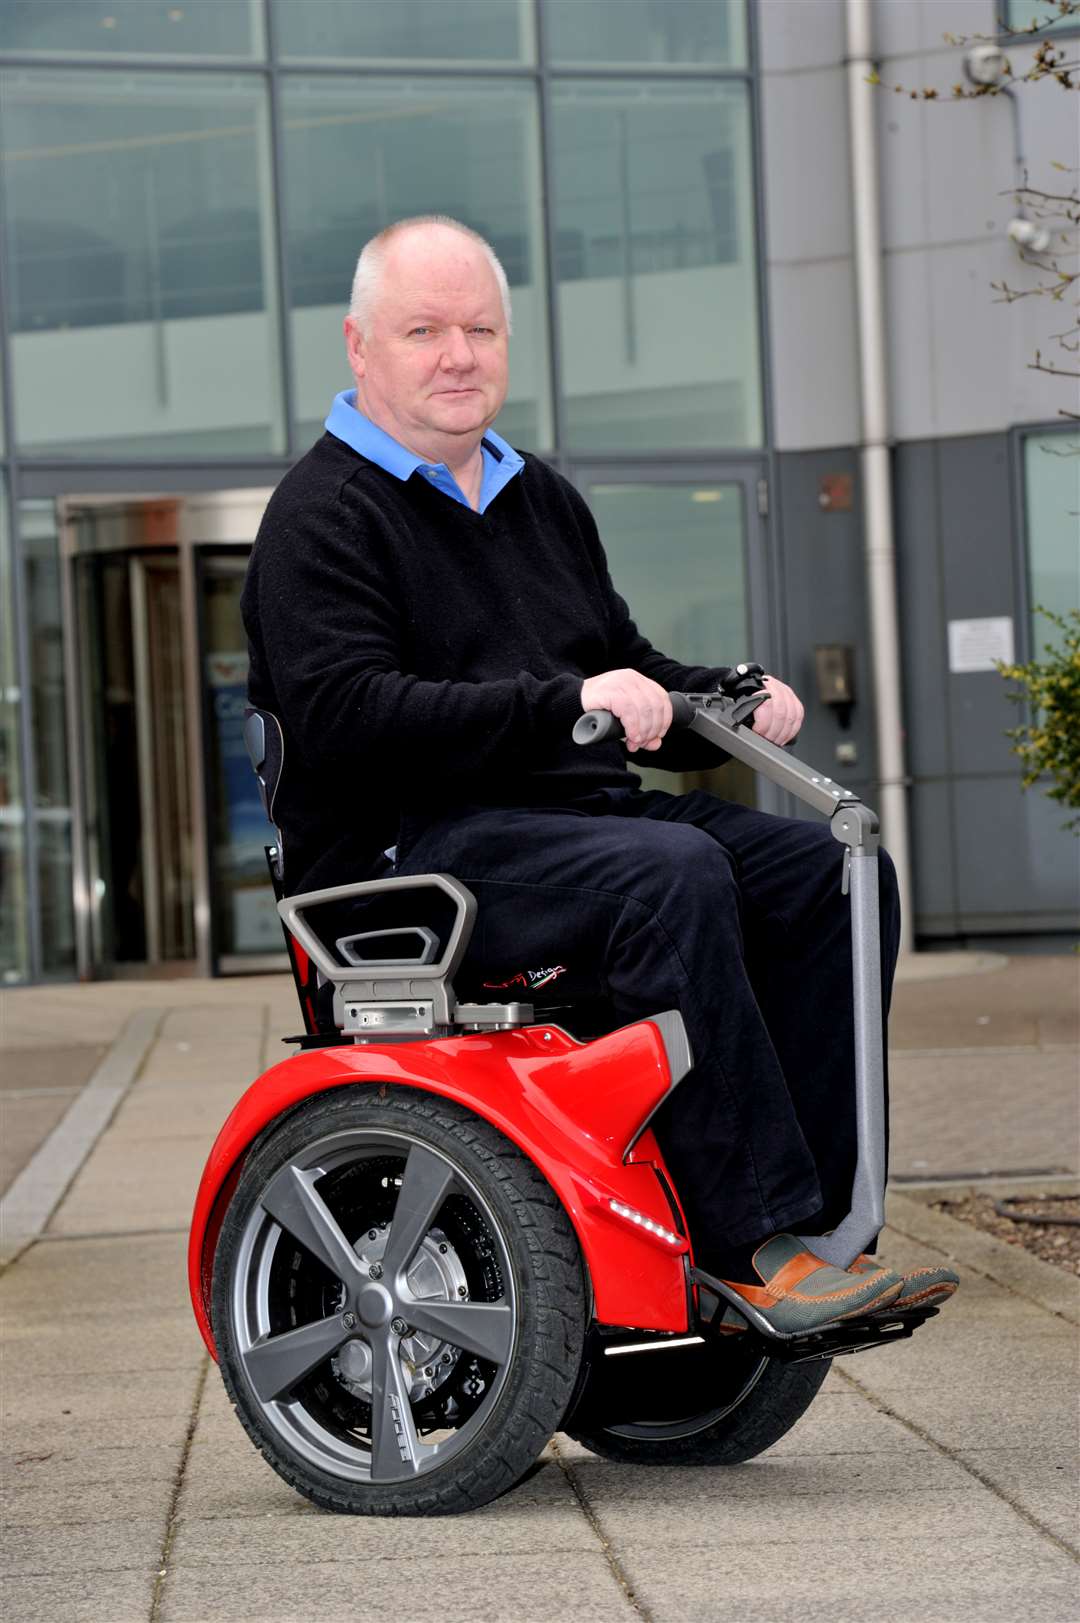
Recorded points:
(814, 362)
(932, 861)
(978, 555)
(920, 607)
(796, 34)
(805, 149)
(1012, 854)
(824, 601)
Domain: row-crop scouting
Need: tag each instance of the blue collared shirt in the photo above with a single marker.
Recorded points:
(501, 461)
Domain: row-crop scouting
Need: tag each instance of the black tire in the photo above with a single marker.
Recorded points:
(753, 1402)
(390, 1421)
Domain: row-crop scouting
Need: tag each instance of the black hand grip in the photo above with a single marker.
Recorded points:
(597, 726)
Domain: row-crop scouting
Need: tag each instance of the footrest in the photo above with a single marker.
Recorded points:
(833, 1341)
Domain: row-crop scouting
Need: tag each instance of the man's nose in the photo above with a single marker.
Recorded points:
(457, 355)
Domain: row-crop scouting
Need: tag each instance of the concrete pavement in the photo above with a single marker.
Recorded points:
(933, 1480)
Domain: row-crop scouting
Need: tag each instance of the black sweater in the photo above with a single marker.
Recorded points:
(421, 655)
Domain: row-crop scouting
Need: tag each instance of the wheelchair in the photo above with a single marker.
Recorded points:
(443, 1230)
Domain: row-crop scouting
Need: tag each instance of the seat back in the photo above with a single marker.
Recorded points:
(265, 744)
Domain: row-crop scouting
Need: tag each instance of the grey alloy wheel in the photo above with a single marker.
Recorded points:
(395, 1288)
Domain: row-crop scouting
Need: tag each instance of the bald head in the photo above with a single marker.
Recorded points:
(421, 239)
(427, 338)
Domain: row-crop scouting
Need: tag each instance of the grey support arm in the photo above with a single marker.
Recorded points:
(717, 717)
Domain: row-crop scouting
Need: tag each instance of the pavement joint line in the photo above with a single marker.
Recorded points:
(979, 1051)
(606, 1548)
(172, 1518)
(902, 1182)
(111, 1234)
(954, 1455)
(43, 1183)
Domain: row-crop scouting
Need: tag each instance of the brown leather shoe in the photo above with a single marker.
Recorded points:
(923, 1287)
(799, 1293)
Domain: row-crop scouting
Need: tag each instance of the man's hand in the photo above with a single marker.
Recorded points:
(781, 715)
(640, 704)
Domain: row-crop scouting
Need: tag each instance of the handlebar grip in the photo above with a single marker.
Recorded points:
(596, 727)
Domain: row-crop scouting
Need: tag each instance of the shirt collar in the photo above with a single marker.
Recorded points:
(347, 423)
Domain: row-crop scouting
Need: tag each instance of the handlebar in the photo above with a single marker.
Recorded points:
(602, 726)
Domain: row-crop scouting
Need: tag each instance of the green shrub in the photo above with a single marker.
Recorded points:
(1049, 743)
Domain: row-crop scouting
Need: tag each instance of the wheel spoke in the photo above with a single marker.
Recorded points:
(395, 1448)
(292, 1200)
(276, 1363)
(486, 1328)
(426, 1183)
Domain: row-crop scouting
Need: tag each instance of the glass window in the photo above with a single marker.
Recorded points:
(140, 260)
(690, 33)
(126, 27)
(656, 265)
(676, 554)
(360, 154)
(1043, 14)
(1052, 493)
(52, 784)
(13, 919)
(436, 31)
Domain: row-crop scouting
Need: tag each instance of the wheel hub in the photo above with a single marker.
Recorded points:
(436, 1275)
(375, 1306)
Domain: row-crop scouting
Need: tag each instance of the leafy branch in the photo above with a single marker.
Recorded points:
(1049, 744)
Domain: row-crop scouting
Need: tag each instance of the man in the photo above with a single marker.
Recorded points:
(429, 613)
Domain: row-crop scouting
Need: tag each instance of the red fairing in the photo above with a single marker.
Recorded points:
(571, 1107)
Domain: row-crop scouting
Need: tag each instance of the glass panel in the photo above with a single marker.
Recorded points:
(52, 803)
(657, 266)
(1043, 14)
(140, 264)
(246, 923)
(360, 154)
(123, 27)
(676, 554)
(1052, 492)
(13, 914)
(691, 33)
(435, 31)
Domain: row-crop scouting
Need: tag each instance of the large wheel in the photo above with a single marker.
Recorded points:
(398, 1303)
(719, 1402)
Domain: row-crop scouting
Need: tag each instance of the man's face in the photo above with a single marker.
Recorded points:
(431, 368)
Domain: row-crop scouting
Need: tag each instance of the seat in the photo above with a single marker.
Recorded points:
(382, 926)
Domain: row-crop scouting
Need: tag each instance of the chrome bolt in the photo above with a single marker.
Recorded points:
(399, 1327)
(444, 1249)
(429, 1371)
(348, 1320)
(373, 1234)
(375, 1270)
(462, 1290)
(446, 1358)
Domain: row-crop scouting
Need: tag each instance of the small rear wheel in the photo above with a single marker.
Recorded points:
(398, 1304)
(720, 1402)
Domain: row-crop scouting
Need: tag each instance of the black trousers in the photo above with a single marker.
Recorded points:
(735, 917)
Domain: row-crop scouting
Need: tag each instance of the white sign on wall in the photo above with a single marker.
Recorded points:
(975, 645)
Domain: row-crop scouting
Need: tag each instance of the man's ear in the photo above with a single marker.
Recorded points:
(354, 345)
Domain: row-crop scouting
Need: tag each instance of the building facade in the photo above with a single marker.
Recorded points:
(183, 192)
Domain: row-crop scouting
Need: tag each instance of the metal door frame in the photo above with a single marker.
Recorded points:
(203, 519)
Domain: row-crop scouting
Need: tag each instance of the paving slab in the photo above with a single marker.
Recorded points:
(120, 1596)
(932, 1579)
(102, 1545)
(479, 1588)
(979, 1113)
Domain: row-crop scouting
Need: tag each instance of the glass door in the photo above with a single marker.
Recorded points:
(245, 931)
(686, 549)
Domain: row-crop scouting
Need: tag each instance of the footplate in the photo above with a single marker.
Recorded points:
(832, 1341)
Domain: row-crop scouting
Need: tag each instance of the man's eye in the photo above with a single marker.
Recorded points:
(419, 332)
(487, 331)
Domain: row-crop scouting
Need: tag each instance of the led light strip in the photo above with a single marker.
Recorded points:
(640, 1221)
